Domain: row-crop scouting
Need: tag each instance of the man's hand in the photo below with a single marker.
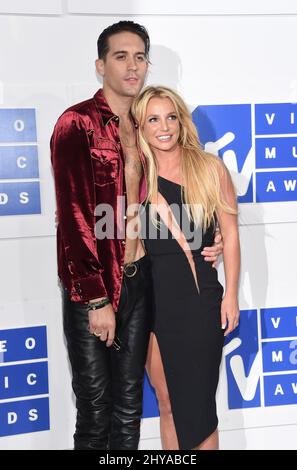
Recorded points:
(102, 322)
(211, 253)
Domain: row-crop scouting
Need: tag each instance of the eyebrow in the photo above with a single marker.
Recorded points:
(156, 115)
(126, 52)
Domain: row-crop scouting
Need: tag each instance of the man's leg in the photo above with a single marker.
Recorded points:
(91, 368)
(134, 319)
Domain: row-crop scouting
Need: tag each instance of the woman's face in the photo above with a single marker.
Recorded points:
(161, 127)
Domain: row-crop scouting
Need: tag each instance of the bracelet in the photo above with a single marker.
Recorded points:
(99, 304)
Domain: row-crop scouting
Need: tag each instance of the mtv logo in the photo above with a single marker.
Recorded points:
(243, 363)
(270, 354)
(226, 131)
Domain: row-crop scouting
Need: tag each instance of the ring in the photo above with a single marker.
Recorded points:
(97, 334)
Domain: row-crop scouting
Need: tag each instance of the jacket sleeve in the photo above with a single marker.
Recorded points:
(75, 195)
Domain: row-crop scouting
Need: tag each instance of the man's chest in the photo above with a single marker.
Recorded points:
(132, 169)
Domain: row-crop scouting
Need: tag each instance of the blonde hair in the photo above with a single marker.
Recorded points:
(201, 171)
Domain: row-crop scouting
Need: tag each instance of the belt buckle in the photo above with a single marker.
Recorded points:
(130, 265)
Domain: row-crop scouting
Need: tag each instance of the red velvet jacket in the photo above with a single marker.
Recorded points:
(88, 165)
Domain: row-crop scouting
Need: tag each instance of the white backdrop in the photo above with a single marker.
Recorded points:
(214, 53)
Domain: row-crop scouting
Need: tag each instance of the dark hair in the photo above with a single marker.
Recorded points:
(121, 26)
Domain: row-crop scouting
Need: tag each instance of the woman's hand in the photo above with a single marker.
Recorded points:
(229, 313)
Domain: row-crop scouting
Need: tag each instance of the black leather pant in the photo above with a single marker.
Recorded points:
(108, 383)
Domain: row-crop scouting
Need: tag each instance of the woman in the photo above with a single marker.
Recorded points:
(191, 318)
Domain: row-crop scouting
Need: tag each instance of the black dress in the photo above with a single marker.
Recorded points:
(187, 325)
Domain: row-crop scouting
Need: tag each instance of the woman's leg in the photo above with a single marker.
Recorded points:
(155, 370)
(157, 378)
(210, 443)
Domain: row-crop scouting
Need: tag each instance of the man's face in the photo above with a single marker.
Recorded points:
(125, 65)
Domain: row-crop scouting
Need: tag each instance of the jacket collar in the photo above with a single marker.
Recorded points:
(103, 108)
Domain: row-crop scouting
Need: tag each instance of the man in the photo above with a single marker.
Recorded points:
(106, 281)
